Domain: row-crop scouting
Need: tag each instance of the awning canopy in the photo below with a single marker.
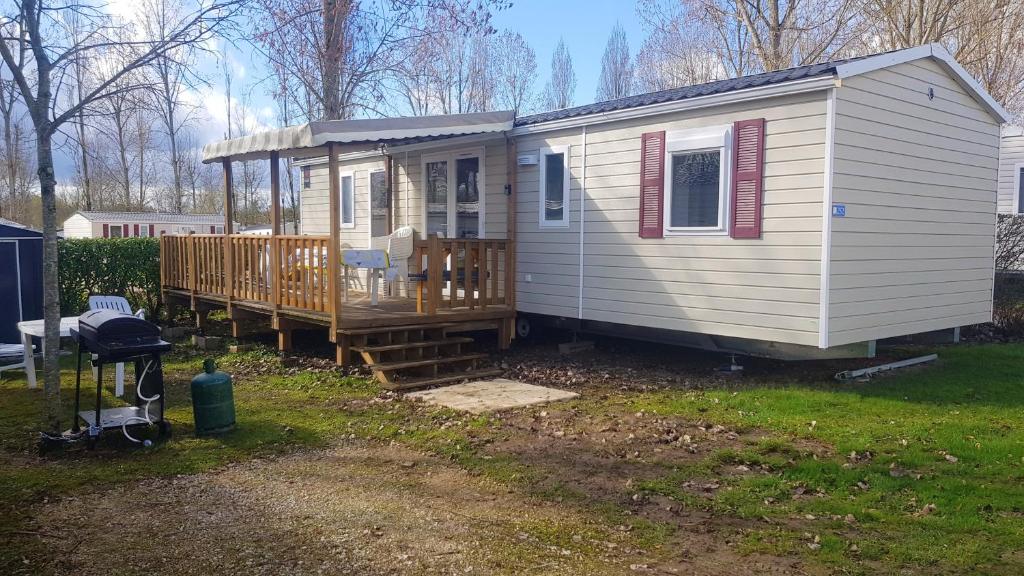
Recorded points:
(306, 138)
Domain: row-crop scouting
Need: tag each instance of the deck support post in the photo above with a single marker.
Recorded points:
(343, 350)
(284, 338)
(275, 228)
(202, 315)
(229, 218)
(334, 245)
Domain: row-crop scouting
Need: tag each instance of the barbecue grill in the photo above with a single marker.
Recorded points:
(112, 337)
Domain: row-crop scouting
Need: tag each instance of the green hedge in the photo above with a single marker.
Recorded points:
(128, 267)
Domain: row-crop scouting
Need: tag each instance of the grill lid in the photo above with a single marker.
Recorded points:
(109, 326)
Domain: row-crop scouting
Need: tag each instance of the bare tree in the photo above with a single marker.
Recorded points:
(675, 52)
(343, 53)
(36, 26)
(985, 36)
(755, 36)
(515, 71)
(19, 166)
(560, 90)
(616, 80)
(171, 69)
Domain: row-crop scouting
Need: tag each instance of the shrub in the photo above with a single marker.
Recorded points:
(128, 267)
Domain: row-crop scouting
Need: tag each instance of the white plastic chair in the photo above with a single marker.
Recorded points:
(399, 246)
(12, 357)
(119, 304)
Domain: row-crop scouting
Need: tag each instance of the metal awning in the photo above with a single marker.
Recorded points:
(311, 137)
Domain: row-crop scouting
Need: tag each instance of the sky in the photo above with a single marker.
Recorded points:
(585, 25)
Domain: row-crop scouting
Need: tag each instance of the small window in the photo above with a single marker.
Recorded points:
(143, 230)
(115, 231)
(696, 182)
(348, 217)
(305, 177)
(554, 186)
(218, 229)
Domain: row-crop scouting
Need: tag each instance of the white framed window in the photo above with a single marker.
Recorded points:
(697, 169)
(348, 200)
(554, 187)
(218, 229)
(143, 230)
(115, 230)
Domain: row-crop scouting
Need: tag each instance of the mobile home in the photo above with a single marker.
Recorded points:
(811, 209)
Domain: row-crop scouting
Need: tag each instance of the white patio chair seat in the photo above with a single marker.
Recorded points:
(119, 304)
(12, 357)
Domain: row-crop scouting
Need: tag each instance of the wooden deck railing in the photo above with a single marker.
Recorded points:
(448, 273)
(463, 273)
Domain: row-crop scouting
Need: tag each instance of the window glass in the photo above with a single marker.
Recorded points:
(554, 187)
(115, 230)
(437, 198)
(378, 204)
(695, 189)
(347, 214)
(218, 229)
(1020, 190)
(144, 230)
(467, 198)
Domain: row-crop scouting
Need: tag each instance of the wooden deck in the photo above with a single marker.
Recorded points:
(459, 284)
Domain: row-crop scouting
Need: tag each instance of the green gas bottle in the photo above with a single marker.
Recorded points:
(213, 404)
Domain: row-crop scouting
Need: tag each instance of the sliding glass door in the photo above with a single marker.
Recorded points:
(453, 194)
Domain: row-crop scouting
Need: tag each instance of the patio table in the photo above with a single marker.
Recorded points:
(30, 328)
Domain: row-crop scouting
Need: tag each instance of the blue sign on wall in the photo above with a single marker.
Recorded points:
(839, 210)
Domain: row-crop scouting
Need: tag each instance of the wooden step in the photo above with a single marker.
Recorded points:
(401, 328)
(444, 379)
(407, 345)
(403, 364)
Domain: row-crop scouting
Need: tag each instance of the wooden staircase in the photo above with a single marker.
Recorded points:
(407, 357)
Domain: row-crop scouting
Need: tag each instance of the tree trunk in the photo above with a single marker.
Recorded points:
(51, 291)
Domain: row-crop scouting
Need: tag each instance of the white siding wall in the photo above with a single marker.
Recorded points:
(78, 227)
(408, 209)
(764, 289)
(918, 178)
(1011, 160)
(314, 208)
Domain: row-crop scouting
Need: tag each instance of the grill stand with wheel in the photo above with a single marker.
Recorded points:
(113, 338)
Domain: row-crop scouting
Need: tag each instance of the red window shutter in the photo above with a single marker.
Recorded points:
(747, 177)
(652, 184)
(124, 230)
(106, 230)
(136, 230)
(213, 229)
(151, 231)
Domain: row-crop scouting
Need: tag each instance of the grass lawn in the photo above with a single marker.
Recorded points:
(918, 472)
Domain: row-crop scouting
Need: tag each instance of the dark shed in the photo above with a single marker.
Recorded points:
(21, 278)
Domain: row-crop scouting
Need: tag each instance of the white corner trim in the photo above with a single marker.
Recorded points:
(583, 208)
(826, 220)
(936, 51)
(543, 222)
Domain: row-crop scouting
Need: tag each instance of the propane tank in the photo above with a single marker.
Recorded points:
(213, 403)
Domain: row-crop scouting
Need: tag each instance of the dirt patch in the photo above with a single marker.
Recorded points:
(360, 509)
(357, 509)
(607, 457)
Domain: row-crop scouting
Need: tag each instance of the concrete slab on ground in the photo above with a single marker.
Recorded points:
(490, 395)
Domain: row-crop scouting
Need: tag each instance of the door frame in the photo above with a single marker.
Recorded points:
(17, 274)
(450, 157)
